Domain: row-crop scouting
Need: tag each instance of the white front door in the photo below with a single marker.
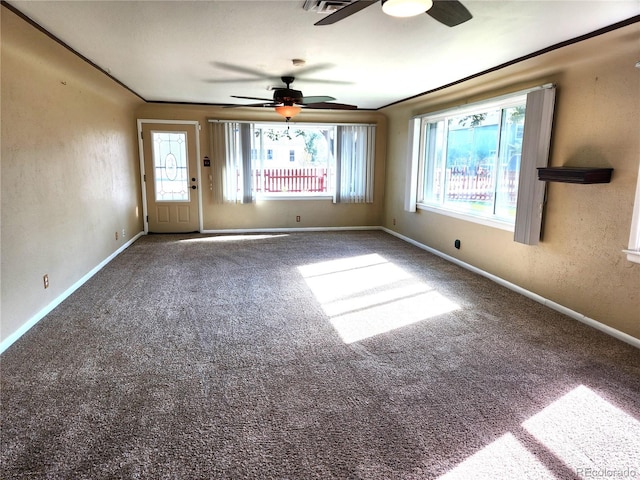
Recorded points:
(171, 177)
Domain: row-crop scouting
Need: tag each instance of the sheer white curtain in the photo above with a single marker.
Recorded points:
(234, 139)
(354, 164)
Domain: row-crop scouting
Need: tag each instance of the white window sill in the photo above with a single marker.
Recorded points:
(633, 255)
(467, 217)
(299, 196)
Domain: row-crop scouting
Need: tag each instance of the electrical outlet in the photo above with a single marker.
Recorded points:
(45, 280)
(297, 218)
(123, 233)
(116, 235)
(394, 221)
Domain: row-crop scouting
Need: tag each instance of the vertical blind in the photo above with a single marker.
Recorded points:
(535, 153)
(354, 164)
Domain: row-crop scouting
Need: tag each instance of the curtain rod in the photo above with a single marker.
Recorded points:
(283, 124)
(488, 101)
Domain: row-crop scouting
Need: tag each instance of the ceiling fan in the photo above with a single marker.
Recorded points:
(447, 12)
(289, 102)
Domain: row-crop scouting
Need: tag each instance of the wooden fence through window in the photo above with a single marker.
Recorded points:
(290, 180)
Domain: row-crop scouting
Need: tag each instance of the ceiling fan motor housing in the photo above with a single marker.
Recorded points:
(287, 96)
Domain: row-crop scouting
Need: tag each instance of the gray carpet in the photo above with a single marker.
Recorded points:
(193, 356)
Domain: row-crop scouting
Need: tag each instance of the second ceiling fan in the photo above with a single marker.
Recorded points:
(447, 12)
(288, 102)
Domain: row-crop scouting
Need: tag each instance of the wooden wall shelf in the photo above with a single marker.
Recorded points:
(583, 175)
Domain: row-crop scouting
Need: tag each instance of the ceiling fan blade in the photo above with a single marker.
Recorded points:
(253, 105)
(244, 70)
(233, 80)
(299, 73)
(330, 106)
(345, 12)
(253, 98)
(319, 99)
(260, 75)
(257, 75)
(449, 12)
(323, 81)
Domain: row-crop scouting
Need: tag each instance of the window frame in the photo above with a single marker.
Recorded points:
(501, 103)
(329, 195)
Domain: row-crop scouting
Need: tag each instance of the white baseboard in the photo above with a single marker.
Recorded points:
(289, 230)
(534, 296)
(7, 342)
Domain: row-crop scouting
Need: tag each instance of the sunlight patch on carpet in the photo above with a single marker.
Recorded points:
(504, 458)
(231, 238)
(367, 295)
(591, 436)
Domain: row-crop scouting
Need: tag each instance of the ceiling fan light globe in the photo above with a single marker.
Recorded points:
(406, 8)
(288, 111)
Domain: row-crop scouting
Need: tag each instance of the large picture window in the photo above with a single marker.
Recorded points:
(271, 160)
(479, 162)
(293, 161)
(470, 161)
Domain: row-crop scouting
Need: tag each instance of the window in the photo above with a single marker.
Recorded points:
(301, 160)
(170, 175)
(471, 160)
(478, 162)
(272, 160)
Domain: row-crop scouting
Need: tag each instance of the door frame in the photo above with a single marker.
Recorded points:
(145, 211)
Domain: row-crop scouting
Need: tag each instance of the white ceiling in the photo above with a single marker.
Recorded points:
(203, 51)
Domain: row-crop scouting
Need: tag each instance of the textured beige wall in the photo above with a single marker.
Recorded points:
(579, 263)
(69, 170)
(276, 213)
